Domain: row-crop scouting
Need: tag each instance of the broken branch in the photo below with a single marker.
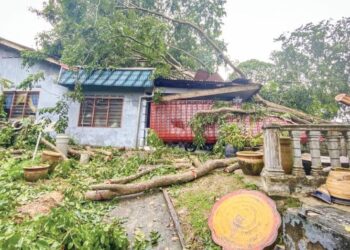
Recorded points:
(53, 147)
(108, 191)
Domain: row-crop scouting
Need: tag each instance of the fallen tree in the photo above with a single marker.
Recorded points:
(109, 191)
(301, 116)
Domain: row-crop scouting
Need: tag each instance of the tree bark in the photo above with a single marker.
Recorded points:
(130, 178)
(108, 191)
(232, 168)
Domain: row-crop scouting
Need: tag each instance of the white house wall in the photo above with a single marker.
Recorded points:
(125, 136)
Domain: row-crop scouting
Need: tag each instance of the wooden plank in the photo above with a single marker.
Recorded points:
(211, 92)
(175, 218)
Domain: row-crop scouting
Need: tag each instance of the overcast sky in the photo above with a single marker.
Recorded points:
(249, 30)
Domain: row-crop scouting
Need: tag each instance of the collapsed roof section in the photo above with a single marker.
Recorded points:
(196, 89)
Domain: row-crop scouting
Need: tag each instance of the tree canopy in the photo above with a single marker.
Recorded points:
(170, 35)
(310, 70)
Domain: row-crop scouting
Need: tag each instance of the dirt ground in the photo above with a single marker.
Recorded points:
(41, 205)
(146, 213)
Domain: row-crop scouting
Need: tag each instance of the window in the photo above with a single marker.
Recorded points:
(21, 104)
(101, 112)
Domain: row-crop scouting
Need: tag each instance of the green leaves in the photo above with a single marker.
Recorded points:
(310, 70)
(105, 34)
(29, 82)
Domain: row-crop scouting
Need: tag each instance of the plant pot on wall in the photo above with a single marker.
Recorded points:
(251, 162)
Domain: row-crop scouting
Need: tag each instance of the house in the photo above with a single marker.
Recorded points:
(114, 110)
(18, 103)
(113, 113)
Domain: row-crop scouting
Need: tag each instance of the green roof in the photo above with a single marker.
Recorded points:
(128, 77)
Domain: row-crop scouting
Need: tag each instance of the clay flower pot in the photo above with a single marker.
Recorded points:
(35, 173)
(51, 158)
(251, 162)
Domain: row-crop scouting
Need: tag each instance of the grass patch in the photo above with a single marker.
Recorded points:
(194, 201)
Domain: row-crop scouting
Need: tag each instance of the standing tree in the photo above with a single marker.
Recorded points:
(310, 70)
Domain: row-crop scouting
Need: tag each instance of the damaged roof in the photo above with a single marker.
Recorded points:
(126, 77)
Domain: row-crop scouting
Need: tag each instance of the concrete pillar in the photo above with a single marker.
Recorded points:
(298, 168)
(334, 148)
(272, 157)
(316, 164)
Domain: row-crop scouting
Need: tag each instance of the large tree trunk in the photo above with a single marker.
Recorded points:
(108, 191)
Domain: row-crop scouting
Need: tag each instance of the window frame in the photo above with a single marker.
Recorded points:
(14, 92)
(109, 98)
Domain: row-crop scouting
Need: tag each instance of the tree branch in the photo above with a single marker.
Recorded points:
(193, 26)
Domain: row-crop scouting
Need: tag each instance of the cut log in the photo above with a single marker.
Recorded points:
(232, 168)
(53, 147)
(211, 92)
(195, 161)
(108, 191)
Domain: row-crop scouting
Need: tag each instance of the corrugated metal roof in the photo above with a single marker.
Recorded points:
(128, 77)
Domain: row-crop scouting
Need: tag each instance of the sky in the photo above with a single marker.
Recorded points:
(249, 27)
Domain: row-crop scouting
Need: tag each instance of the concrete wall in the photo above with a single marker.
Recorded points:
(125, 136)
(316, 228)
(11, 68)
(50, 92)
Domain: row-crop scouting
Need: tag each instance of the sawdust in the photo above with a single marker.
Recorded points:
(41, 205)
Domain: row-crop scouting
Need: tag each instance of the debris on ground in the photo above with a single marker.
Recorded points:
(41, 205)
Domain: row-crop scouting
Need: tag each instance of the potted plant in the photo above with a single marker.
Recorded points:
(33, 170)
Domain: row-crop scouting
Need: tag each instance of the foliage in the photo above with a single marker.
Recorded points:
(29, 82)
(76, 223)
(107, 34)
(27, 137)
(200, 122)
(310, 70)
(30, 57)
(141, 242)
(232, 134)
(157, 96)
(6, 136)
(60, 110)
(154, 140)
(257, 71)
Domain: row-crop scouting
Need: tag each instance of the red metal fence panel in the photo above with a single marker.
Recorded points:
(170, 120)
